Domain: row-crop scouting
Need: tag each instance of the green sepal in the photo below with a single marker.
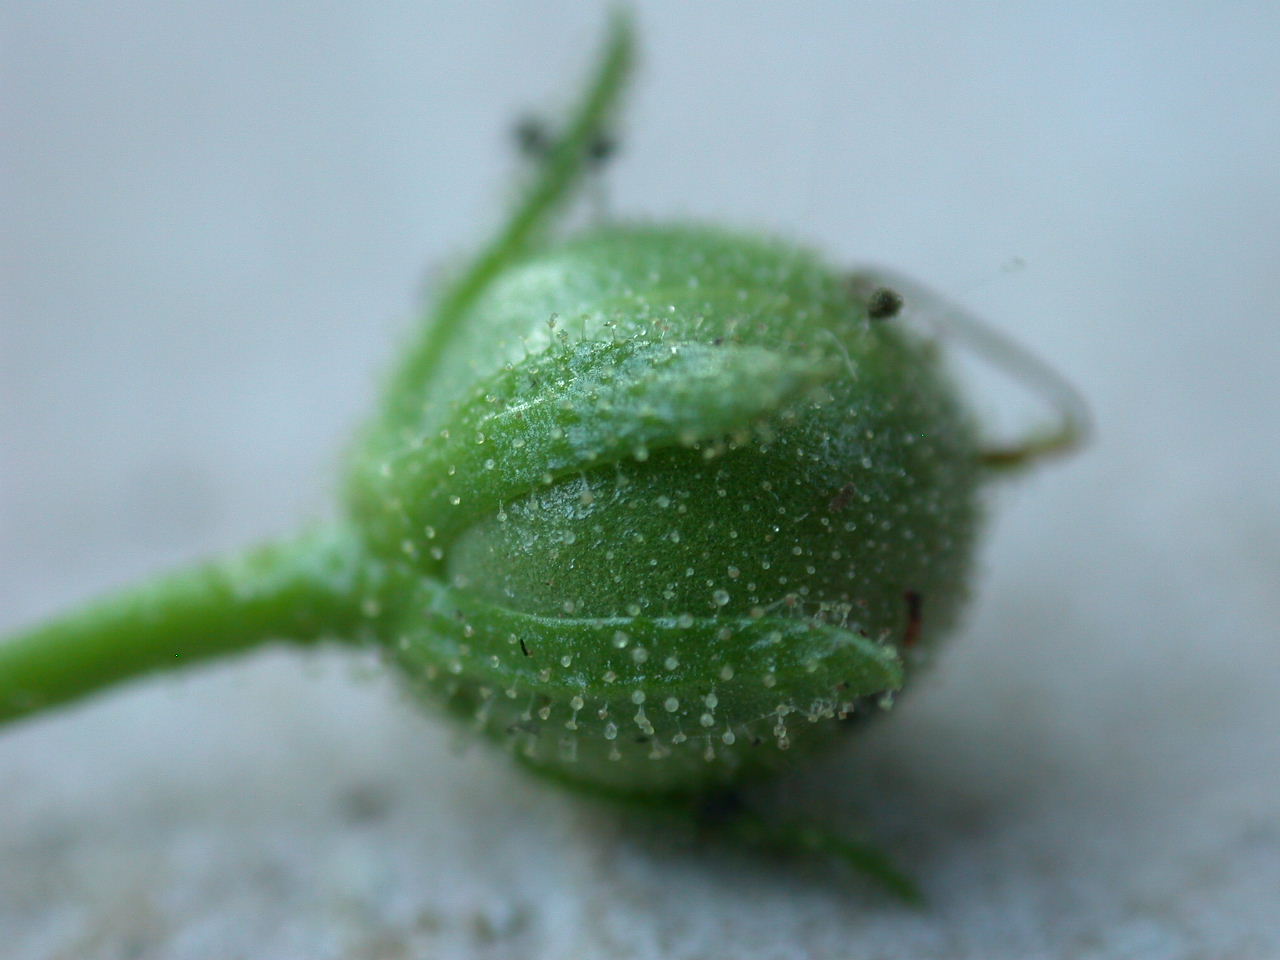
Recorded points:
(506, 647)
(578, 407)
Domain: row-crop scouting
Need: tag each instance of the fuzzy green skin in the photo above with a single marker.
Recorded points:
(667, 541)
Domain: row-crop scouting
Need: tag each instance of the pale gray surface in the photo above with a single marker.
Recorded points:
(217, 216)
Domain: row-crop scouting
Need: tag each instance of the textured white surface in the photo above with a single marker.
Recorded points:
(217, 217)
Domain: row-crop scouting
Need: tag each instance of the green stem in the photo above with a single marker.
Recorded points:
(553, 185)
(302, 590)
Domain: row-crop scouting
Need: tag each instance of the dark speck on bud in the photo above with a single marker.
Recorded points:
(884, 304)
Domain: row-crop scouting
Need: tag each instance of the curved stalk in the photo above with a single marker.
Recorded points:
(559, 173)
(1072, 424)
(300, 591)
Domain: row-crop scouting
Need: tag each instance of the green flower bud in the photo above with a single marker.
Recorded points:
(668, 508)
(657, 507)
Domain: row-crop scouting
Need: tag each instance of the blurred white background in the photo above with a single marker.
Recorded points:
(220, 218)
